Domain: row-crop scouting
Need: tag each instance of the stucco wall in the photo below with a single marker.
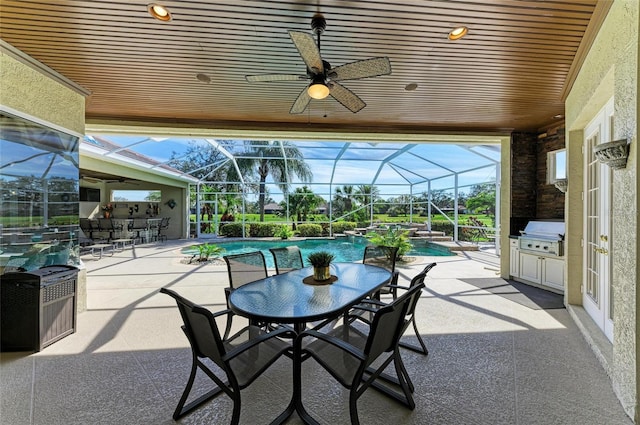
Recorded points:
(31, 92)
(610, 69)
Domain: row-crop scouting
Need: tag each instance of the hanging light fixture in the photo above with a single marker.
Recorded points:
(318, 89)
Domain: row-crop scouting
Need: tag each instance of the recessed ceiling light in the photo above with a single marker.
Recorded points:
(159, 12)
(458, 33)
(203, 78)
(411, 87)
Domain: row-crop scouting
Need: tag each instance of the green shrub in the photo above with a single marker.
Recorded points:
(284, 232)
(442, 226)
(263, 230)
(309, 230)
(207, 250)
(233, 230)
(393, 237)
(341, 226)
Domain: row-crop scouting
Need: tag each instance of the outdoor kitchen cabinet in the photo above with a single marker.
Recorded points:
(545, 271)
(514, 258)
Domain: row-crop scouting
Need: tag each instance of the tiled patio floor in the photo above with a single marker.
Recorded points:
(496, 357)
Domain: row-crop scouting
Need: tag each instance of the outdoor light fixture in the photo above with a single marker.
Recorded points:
(159, 12)
(614, 154)
(458, 33)
(318, 89)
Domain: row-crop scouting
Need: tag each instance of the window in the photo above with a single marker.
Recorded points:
(556, 165)
(38, 195)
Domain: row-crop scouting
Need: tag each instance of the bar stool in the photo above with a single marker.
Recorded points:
(141, 227)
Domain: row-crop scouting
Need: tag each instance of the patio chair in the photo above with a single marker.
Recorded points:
(349, 354)
(162, 228)
(89, 226)
(383, 256)
(242, 358)
(141, 227)
(287, 258)
(373, 305)
(107, 225)
(242, 269)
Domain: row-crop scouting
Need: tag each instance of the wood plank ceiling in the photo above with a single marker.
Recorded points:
(510, 72)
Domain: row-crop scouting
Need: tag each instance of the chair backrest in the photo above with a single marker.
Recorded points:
(287, 258)
(86, 225)
(388, 324)
(200, 327)
(417, 280)
(164, 223)
(245, 268)
(139, 223)
(382, 256)
(105, 224)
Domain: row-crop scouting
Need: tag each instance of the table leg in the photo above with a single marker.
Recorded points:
(295, 405)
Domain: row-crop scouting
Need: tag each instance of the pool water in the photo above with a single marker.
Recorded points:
(345, 250)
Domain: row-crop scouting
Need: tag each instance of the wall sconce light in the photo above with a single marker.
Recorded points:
(171, 203)
(614, 154)
(561, 185)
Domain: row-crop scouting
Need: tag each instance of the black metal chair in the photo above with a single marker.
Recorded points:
(242, 357)
(141, 227)
(287, 258)
(373, 305)
(89, 226)
(162, 228)
(383, 256)
(107, 225)
(358, 359)
(242, 269)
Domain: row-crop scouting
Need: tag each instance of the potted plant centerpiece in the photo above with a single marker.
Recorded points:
(321, 261)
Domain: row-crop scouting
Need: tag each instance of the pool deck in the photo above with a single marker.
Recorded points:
(496, 357)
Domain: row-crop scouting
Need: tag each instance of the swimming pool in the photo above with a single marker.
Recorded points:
(344, 249)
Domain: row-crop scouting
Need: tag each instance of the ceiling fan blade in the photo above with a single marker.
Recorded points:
(346, 97)
(308, 50)
(301, 102)
(361, 69)
(262, 78)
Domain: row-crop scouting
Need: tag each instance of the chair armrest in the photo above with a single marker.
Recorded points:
(337, 342)
(371, 301)
(258, 340)
(222, 313)
(406, 288)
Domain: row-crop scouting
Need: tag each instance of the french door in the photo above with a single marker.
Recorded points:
(596, 296)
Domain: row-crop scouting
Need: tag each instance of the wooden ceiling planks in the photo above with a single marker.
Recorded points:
(510, 72)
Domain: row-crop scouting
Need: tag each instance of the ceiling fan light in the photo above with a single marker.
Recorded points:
(159, 12)
(318, 90)
(458, 33)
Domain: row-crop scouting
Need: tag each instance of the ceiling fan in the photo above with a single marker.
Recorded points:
(324, 78)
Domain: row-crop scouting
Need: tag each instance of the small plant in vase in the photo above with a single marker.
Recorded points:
(321, 261)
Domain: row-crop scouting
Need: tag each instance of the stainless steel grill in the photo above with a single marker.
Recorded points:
(543, 237)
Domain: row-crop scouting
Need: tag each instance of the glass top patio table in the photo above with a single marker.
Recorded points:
(285, 298)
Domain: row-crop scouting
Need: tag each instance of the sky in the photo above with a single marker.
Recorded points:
(392, 167)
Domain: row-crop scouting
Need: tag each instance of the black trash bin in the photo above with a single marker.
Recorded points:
(37, 308)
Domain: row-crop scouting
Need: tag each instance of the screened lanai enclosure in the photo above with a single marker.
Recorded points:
(337, 185)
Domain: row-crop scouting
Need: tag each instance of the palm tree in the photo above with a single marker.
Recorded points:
(368, 194)
(344, 199)
(302, 202)
(282, 160)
